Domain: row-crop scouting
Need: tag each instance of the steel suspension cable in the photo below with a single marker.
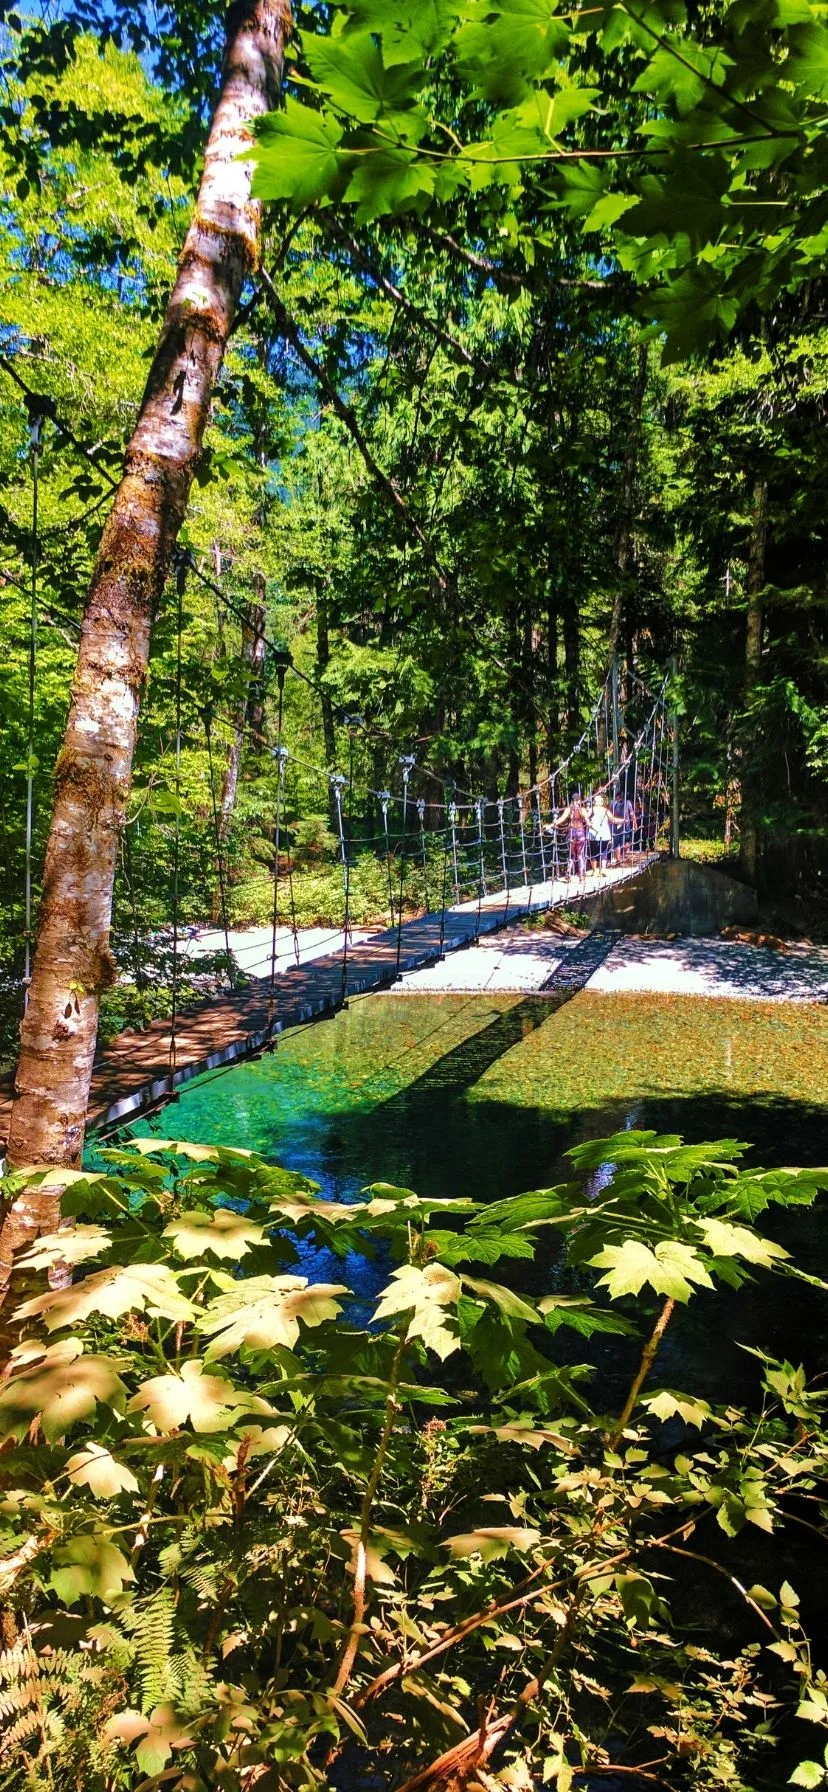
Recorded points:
(280, 756)
(347, 862)
(291, 895)
(220, 864)
(384, 799)
(447, 825)
(407, 763)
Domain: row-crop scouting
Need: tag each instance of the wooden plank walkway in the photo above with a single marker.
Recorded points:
(134, 1075)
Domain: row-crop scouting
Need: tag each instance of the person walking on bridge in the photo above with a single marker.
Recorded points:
(576, 818)
(600, 830)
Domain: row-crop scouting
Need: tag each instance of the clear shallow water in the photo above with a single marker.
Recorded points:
(482, 1096)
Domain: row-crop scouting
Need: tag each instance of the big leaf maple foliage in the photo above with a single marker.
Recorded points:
(689, 141)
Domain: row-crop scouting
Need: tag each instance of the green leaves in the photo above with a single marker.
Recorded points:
(223, 1233)
(160, 1733)
(296, 155)
(353, 73)
(491, 1542)
(95, 1467)
(727, 1240)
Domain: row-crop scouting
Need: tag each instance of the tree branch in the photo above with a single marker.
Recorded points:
(386, 484)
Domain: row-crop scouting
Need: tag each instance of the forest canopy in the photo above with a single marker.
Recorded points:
(530, 374)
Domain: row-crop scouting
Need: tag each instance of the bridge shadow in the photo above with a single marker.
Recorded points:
(463, 1066)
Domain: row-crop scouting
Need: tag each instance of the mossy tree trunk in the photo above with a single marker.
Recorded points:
(72, 963)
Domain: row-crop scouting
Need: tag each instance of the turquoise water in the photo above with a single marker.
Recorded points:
(481, 1096)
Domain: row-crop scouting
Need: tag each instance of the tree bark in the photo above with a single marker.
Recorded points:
(73, 963)
(754, 583)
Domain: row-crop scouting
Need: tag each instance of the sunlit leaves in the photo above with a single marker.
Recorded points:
(727, 1240)
(207, 1402)
(425, 1294)
(297, 155)
(90, 1566)
(59, 1386)
(76, 1244)
(353, 73)
(159, 1733)
(199, 1479)
(223, 1233)
(491, 1542)
(96, 1468)
(263, 1313)
(140, 1287)
(671, 1268)
(666, 1405)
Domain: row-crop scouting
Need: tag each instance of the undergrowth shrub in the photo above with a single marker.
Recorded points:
(256, 1535)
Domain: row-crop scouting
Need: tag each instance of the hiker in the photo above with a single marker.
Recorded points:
(600, 830)
(575, 816)
(623, 825)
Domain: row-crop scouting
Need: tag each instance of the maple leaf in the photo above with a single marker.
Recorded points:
(144, 1287)
(224, 1233)
(424, 1293)
(727, 1240)
(264, 1312)
(669, 1269)
(665, 1405)
(161, 1732)
(95, 1467)
(492, 1541)
(74, 1245)
(207, 1402)
(58, 1385)
(89, 1566)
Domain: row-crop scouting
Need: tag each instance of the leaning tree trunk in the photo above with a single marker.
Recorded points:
(72, 963)
(749, 834)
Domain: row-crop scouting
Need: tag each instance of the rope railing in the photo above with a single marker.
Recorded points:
(436, 839)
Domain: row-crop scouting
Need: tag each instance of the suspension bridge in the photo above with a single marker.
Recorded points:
(477, 864)
(453, 864)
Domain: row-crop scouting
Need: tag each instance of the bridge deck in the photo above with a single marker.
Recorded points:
(133, 1074)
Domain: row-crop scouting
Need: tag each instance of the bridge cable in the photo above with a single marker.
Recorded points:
(407, 763)
(352, 723)
(220, 861)
(480, 806)
(291, 895)
(448, 826)
(421, 809)
(503, 864)
(280, 756)
(384, 800)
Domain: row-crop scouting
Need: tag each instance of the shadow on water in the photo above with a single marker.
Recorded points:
(332, 1106)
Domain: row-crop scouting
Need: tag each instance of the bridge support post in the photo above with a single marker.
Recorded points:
(675, 839)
